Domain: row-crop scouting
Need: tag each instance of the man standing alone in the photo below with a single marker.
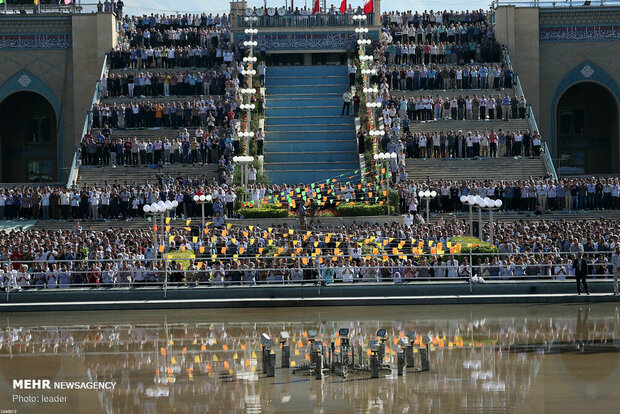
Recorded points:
(615, 261)
(346, 97)
(581, 271)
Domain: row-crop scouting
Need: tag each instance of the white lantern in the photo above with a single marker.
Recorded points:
(463, 199)
(433, 193)
(146, 208)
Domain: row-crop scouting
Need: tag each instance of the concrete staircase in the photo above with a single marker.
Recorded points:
(139, 175)
(306, 139)
(502, 168)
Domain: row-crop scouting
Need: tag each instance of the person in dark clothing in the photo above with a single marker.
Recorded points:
(581, 271)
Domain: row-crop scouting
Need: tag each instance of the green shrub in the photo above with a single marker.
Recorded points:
(264, 212)
(361, 209)
(480, 249)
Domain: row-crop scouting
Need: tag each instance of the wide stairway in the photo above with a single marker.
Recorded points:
(502, 168)
(306, 138)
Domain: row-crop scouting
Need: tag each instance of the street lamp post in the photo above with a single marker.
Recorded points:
(428, 196)
(249, 72)
(161, 210)
(384, 160)
(202, 200)
(481, 203)
(244, 161)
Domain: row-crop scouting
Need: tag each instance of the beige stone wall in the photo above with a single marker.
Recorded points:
(94, 35)
(518, 29)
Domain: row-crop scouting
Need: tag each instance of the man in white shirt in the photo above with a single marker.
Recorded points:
(615, 261)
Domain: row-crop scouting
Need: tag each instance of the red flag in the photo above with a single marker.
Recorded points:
(316, 7)
(369, 6)
(343, 6)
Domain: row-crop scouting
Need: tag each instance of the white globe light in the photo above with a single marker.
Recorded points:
(498, 203)
(433, 193)
(196, 198)
(203, 198)
(393, 155)
(375, 157)
(471, 199)
(463, 199)
(161, 205)
(235, 158)
(427, 194)
(146, 208)
(175, 203)
(155, 207)
(209, 197)
(168, 205)
(421, 194)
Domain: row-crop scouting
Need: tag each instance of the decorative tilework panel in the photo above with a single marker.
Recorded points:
(295, 41)
(581, 34)
(32, 41)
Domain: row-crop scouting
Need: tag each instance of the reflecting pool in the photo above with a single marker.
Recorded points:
(483, 359)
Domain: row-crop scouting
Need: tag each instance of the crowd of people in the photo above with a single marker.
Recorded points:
(161, 41)
(223, 81)
(121, 200)
(459, 144)
(251, 255)
(205, 113)
(435, 77)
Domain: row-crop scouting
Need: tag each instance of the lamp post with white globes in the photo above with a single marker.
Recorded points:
(244, 161)
(161, 209)
(202, 200)
(384, 160)
(428, 196)
(481, 203)
(249, 72)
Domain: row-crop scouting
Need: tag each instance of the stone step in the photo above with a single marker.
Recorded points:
(294, 90)
(310, 165)
(280, 136)
(322, 111)
(279, 81)
(140, 174)
(307, 176)
(309, 120)
(318, 156)
(504, 168)
(295, 71)
(331, 126)
(300, 147)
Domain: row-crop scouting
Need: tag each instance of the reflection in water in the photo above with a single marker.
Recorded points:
(483, 359)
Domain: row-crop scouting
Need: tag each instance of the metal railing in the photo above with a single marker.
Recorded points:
(532, 120)
(322, 269)
(556, 4)
(305, 21)
(73, 172)
(73, 8)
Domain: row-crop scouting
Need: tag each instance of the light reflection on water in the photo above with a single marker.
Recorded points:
(484, 359)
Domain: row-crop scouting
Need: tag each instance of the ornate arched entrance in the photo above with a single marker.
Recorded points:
(28, 138)
(587, 129)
